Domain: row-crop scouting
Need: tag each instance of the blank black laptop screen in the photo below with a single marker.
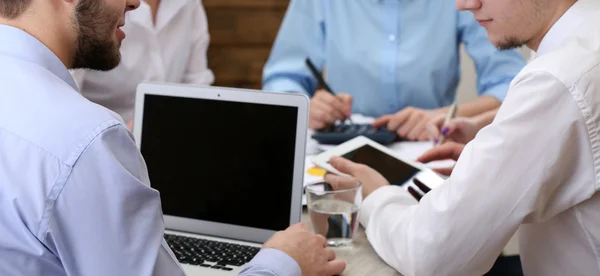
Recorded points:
(220, 161)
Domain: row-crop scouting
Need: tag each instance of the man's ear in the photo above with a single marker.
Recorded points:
(62, 5)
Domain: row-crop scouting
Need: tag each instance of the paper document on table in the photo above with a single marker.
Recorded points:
(413, 150)
(312, 174)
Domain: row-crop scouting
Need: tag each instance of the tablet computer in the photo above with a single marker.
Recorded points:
(395, 169)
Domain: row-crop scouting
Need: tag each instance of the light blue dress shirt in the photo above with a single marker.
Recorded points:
(74, 190)
(388, 54)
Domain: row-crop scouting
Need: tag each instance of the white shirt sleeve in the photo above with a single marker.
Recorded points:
(527, 166)
(107, 220)
(197, 70)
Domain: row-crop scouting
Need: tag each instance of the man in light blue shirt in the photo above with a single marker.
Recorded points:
(389, 56)
(74, 192)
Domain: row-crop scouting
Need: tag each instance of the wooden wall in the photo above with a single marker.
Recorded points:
(242, 33)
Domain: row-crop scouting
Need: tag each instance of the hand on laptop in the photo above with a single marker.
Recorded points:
(370, 179)
(327, 108)
(310, 251)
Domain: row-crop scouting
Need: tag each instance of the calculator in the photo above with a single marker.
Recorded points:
(343, 132)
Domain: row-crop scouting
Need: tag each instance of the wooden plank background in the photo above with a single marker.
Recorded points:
(242, 34)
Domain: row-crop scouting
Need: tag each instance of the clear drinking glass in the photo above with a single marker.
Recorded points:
(334, 213)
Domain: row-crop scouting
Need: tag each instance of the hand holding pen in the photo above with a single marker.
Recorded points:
(326, 107)
(446, 128)
(451, 114)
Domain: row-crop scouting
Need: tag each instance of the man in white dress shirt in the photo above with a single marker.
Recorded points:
(74, 192)
(166, 41)
(535, 170)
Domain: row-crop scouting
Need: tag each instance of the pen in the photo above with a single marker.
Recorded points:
(449, 116)
(320, 79)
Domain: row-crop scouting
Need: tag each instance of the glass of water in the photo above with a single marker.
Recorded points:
(334, 213)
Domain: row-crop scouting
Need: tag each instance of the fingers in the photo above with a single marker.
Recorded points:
(338, 182)
(320, 240)
(448, 150)
(382, 121)
(421, 186)
(409, 124)
(343, 165)
(424, 136)
(399, 120)
(330, 254)
(414, 193)
(434, 126)
(418, 131)
(298, 226)
(319, 119)
(433, 132)
(326, 109)
(325, 112)
(335, 102)
(335, 267)
(444, 171)
(451, 127)
(347, 101)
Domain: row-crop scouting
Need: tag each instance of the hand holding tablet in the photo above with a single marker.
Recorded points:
(383, 166)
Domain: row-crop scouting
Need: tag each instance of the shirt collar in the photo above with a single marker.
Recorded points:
(566, 25)
(19, 44)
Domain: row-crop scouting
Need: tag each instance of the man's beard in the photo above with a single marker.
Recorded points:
(96, 24)
(511, 43)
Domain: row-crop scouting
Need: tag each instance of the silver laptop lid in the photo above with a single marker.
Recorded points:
(227, 162)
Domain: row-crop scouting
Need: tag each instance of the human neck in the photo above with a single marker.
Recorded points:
(560, 9)
(44, 29)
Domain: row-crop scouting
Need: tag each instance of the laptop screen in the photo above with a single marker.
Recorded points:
(220, 161)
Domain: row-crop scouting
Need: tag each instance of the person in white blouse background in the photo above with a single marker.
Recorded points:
(534, 171)
(166, 41)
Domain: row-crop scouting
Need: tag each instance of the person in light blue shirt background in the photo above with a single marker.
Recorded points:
(386, 57)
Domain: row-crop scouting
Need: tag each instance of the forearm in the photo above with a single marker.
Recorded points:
(300, 36)
(425, 238)
(485, 118)
(271, 262)
(477, 106)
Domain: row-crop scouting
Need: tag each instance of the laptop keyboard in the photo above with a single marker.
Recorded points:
(208, 253)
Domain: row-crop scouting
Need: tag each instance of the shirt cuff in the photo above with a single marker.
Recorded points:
(379, 197)
(497, 91)
(275, 261)
(284, 85)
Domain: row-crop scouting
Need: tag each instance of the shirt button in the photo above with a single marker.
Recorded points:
(392, 37)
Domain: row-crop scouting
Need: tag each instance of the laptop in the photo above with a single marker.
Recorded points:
(228, 164)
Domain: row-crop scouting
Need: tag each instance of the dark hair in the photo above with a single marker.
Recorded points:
(12, 9)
